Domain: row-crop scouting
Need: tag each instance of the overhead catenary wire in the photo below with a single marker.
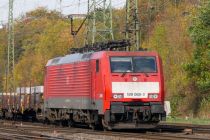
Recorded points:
(24, 4)
(81, 3)
(166, 2)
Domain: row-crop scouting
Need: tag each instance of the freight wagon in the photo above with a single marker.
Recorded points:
(24, 104)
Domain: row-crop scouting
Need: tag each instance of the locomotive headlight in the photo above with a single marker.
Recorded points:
(117, 96)
(153, 96)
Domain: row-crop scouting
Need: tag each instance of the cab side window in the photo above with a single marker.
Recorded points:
(97, 65)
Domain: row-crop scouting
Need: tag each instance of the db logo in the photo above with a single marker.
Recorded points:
(135, 78)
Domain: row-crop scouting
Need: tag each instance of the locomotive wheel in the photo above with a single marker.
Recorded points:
(46, 121)
(64, 123)
(70, 123)
(59, 123)
(105, 125)
(93, 126)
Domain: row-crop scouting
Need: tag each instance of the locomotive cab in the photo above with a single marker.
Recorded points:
(134, 90)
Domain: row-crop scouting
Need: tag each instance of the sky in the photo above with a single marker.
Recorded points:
(66, 7)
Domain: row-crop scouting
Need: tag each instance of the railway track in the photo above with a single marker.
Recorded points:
(188, 128)
(16, 130)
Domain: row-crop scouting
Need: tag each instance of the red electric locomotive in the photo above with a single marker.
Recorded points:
(116, 89)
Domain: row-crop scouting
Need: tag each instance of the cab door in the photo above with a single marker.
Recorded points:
(98, 80)
(97, 86)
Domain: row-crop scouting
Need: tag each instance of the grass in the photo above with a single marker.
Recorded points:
(197, 121)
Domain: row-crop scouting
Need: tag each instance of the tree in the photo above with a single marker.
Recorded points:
(199, 68)
(42, 35)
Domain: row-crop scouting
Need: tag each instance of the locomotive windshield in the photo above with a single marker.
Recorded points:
(145, 64)
(121, 64)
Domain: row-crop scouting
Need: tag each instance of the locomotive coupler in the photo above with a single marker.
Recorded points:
(135, 115)
(146, 115)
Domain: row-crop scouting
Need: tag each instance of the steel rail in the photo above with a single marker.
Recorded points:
(27, 130)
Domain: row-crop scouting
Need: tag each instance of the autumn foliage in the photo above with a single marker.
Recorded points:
(179, 31)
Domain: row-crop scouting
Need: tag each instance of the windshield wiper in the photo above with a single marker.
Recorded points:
(123, 74)
(146, 74)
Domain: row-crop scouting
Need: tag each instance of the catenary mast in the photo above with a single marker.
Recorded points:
(10, 52)
(132, 24)
(99, 22)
